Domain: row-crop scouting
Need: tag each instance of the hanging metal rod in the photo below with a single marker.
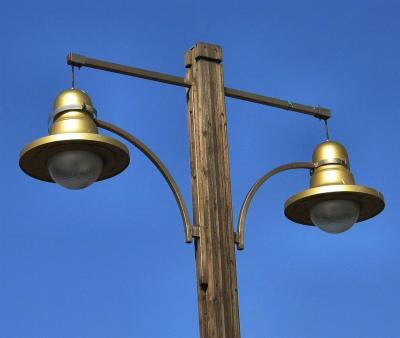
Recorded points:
(84, 61)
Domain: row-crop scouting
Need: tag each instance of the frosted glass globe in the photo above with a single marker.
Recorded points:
(75, 169)
(335, 216)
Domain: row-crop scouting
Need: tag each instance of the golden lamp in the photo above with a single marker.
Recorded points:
(334, 201)
(74, 154)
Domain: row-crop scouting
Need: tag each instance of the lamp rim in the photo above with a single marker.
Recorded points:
(371, 201)
(34, 156)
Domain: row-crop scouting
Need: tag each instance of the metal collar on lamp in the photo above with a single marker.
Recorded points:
(75, 135)
(333, 189)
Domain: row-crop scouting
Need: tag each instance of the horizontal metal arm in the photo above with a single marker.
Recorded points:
(84, 61)
(318, 112)
(239, 236)
(190, 231)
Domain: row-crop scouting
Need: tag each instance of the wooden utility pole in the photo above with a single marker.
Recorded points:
(211, 189)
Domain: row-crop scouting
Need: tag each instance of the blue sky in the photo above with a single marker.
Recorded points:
(110, 261)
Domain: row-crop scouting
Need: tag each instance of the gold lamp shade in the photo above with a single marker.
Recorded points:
(73, 128)
(332, 180)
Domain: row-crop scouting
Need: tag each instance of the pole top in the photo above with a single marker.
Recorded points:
(205, 51)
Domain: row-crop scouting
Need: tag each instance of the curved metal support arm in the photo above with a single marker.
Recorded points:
(239, 236)
(190, 231)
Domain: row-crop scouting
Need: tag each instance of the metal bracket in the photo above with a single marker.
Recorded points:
(339, 161)
(190, 230)
(195, 231)
(239, 235)
(85, 107)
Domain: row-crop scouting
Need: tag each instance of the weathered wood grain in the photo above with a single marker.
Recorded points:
(211, 189)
